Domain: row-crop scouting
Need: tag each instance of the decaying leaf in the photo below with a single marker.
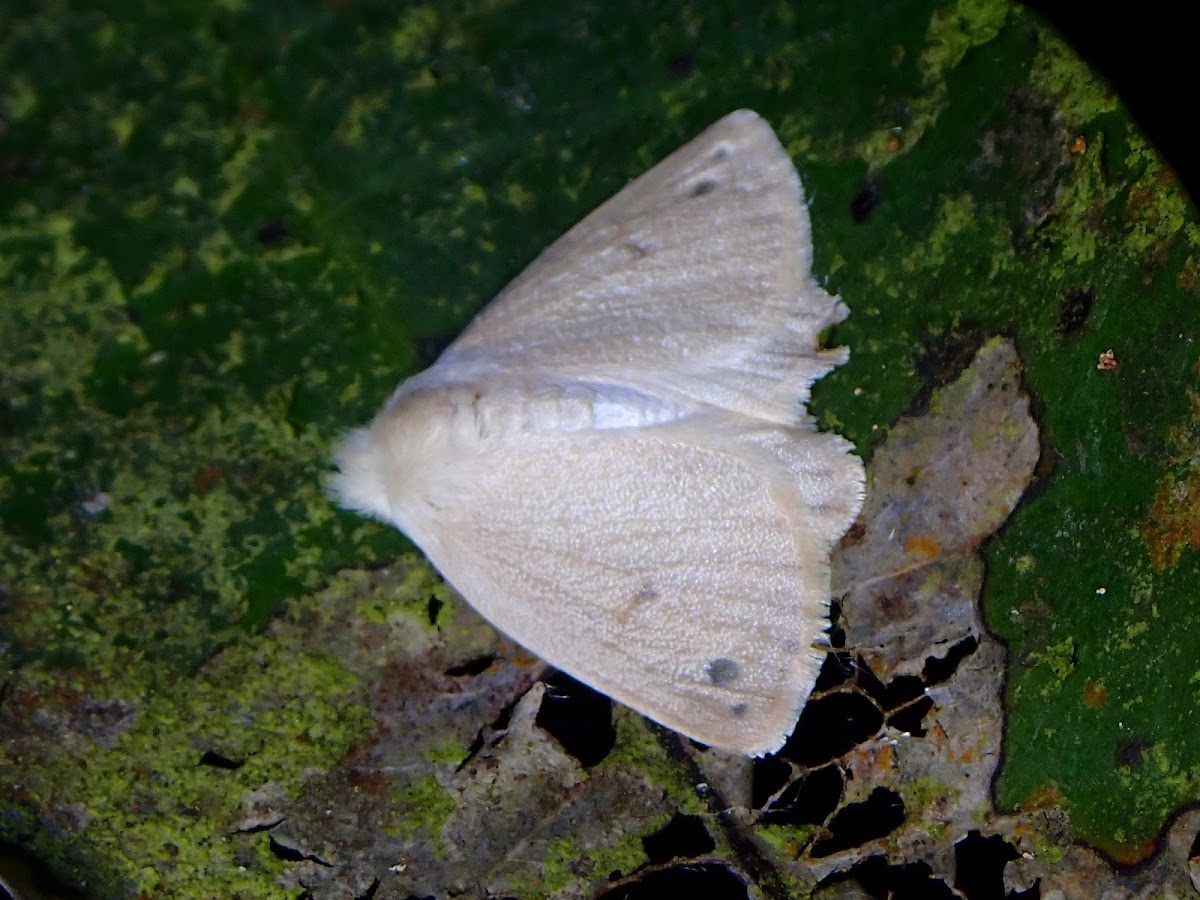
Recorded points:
(918, 676)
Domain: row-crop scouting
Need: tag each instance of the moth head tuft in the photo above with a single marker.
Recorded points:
(361, 484)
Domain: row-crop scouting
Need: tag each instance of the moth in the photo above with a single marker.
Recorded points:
(614, 463)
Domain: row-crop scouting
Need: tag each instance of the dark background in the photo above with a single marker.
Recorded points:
(1150, 54)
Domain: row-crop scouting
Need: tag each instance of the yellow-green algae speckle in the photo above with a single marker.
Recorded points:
(426, 808)
(1154, 207)
(921, 793)
(1079, 94)
(1170, 527)
(957, 28)
(284, 714)
(954, 30)
(564, 862)
(639, 750)
(1060, 659)
(131, 500)
(789, 841)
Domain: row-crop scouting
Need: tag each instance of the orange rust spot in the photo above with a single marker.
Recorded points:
(1188, 278)
(855, 535)
(1173, 523)
(967, 756)
(938, 733)
(1143, 208)
(893, 605)
(1045, 796)
(524, 659)
(793, 848)
(1129, 854)
(1107, 361)
(252, 114)
(205, 479)
(875, 757)
(1079, 145)
(1095, 694)
(924, 547)
(886, 757)
(368, 780)
(879, 758)
(28, 701)
(894, 143)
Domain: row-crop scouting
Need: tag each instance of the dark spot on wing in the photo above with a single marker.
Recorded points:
(739, 710)
(636, 249)
(721, 151)
(701, 187)
(646, 593)
(722, 671)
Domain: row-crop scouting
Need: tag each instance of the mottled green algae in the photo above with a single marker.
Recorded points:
(153, 813)
(563, 863)
(954, 30)
(142, 813)
(1116, 231)
(425, 807)
(160, 463)
(637, 748)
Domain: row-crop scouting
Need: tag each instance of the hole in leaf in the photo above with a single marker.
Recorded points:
(472, 667)
(938, 670)
(272, 233)
(768, 775)
(219, 761)
(881, 881)
(710, 881)
(434, 608)
(1131, 752)
(809, 800)
(291, 854)
(903, 689)
(1074, 312)
(836, 670)
(911, 718)
(979, 865)
(830, 726)
(856, 823)
(868, 681)
(683, 837)
(579, 718)
(38, 875)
